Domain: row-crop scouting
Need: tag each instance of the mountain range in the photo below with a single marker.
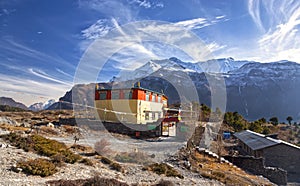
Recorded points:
(253, 89)
(12, 103)
(41, 105)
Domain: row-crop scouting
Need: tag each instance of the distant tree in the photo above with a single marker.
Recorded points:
(235, 120)
(256, 127)
(274, 120)
(289, 119)
(262, 120)
(266, 130)
(205, 112)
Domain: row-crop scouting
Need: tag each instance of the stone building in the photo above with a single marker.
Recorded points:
(276, 153)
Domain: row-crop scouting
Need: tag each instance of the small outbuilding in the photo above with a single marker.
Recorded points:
(276, 153)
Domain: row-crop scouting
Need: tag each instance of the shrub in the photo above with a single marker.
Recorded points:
(116, 166)
(70, 129)
(70, 157)
(132, 157)
(48, 130)
(102, 147)
(79, 147)
(162, 168)
(38, 166)
(95, 181)
(164, 183)
(105, 160)
(58, 159)
(113, 165)
(86, 161)
(43, 146)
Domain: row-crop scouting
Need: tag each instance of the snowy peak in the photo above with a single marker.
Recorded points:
(223, 65)
(41, 105)
(174, 64)
(149, 68)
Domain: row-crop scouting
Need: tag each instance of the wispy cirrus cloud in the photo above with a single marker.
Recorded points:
(29, 91)
(254, 11)
(147, 4)
(281, 37)
(98, 29)
(9, 46)
(114, 8)
(193, 24)
(138, 53)
(45, 76)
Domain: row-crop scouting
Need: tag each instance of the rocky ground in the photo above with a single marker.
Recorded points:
(157, 150)
(133, 173)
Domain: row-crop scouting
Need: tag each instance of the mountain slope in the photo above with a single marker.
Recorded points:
(41, 105)
(173, 64)
(253, 89)
(12, 103)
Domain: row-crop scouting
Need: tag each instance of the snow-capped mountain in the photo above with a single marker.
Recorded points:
(41, 106)
(253, 89)
(173, 64)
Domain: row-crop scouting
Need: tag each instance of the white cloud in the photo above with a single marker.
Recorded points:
(214, 46)
(113, 8)
(142, 3)
(254, 11)
(30, 91)
(18, 49)
(46, 76)
(98, 29)
(281, 41)
(147, 4)
(193, 24)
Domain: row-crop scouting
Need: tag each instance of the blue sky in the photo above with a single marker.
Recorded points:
(42, 42)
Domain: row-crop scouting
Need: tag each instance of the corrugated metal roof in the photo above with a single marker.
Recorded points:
(254, 140)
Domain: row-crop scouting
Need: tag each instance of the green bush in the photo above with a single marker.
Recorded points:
(41, 167)
(162, 168)
(51, 148)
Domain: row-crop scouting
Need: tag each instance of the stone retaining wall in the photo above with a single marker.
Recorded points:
(257, 166)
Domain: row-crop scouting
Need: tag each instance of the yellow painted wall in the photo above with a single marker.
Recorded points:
(129, 111)
(120, 110)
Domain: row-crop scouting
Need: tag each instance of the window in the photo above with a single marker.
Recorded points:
(147, 96)
(153, 116)
(102, 95)
(146, 115)
(159, 99)
(115, 94)
(153, 98)
(159, 115)
(127, 94)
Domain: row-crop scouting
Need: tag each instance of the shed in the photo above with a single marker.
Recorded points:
(276, 153)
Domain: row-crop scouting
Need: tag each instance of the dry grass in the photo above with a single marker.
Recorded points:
(96, 180)
(70, 129)
(48, 130)
(133, 157)
(210, 168)
(13, 128)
